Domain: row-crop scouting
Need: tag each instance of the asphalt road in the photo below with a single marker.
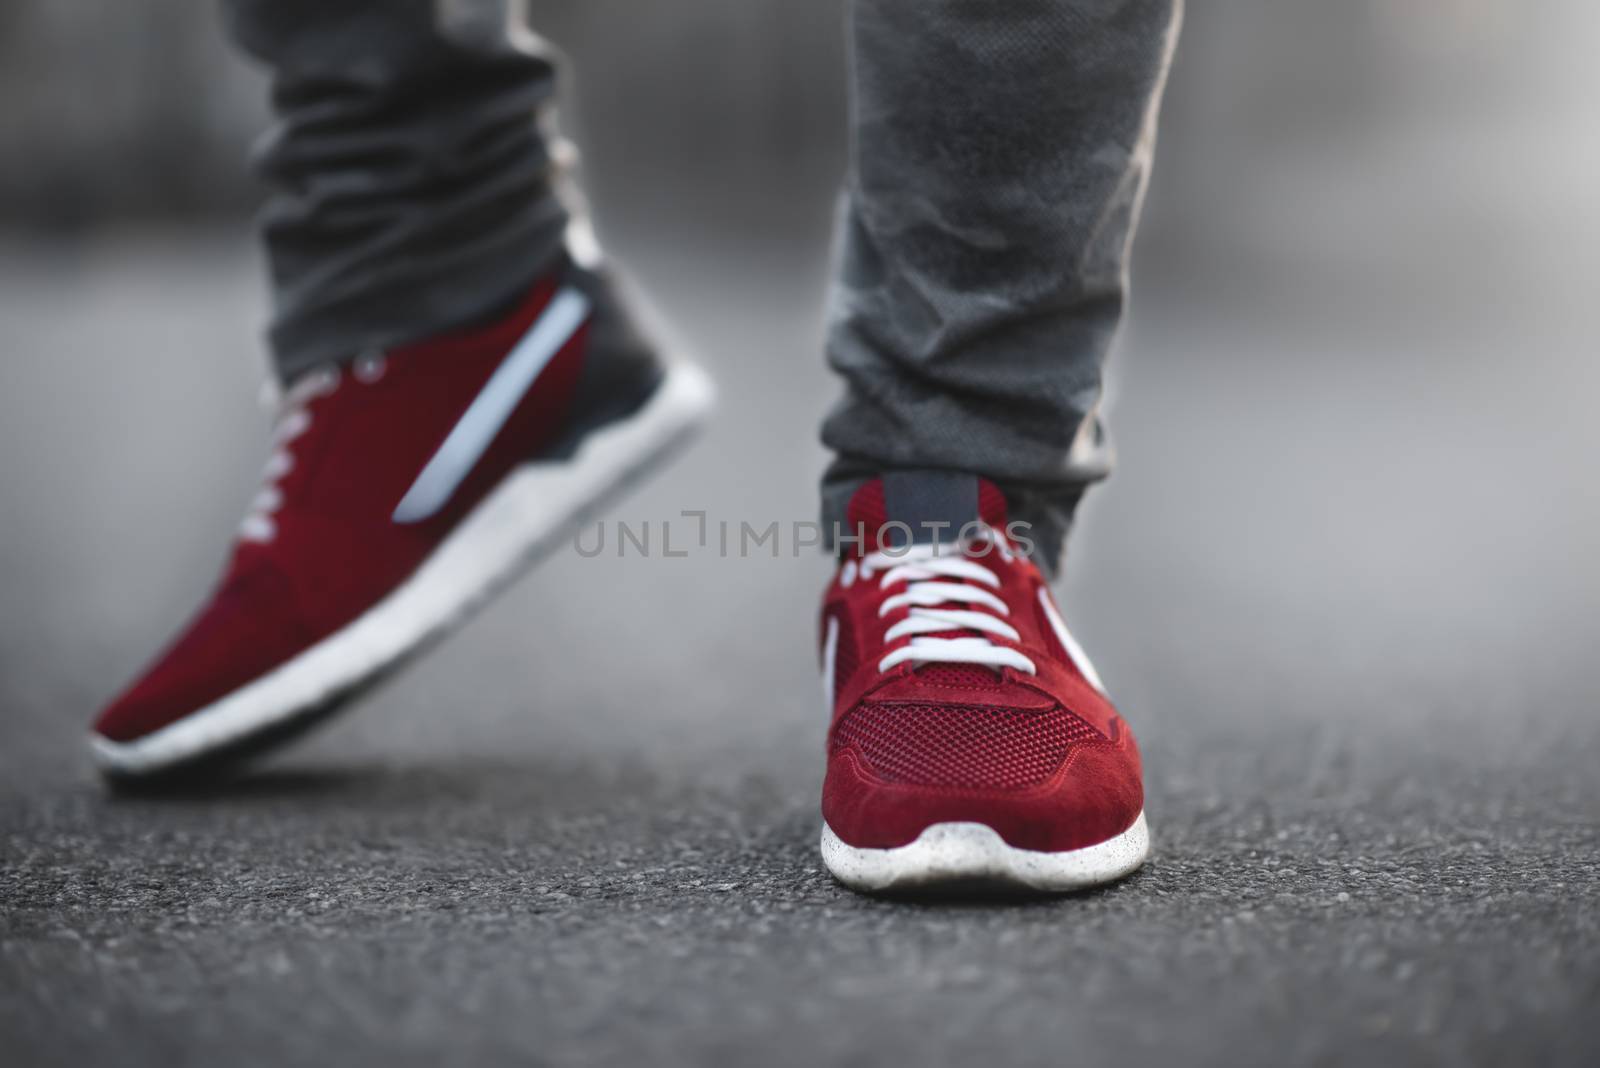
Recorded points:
(1343, 586)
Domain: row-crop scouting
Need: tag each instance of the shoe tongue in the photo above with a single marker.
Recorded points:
(920, 507)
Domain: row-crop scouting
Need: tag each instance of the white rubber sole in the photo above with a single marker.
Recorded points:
(523, 519)
(972, 854)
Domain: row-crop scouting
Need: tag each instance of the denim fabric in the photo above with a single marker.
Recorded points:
(412, 186)
(1000, 151)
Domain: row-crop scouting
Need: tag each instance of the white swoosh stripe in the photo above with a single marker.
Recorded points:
(493, 405)
(1068, 642)
(830, 652)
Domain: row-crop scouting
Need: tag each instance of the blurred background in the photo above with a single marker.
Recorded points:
(1343, 584)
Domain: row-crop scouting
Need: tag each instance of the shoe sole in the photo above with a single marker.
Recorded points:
(974, 856)
(523, 519)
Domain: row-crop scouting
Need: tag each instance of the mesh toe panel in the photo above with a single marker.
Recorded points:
(966, 746)
(971, 676)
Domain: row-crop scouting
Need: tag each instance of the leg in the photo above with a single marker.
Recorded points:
(496, 394)
(1000, 153)
(1001, 150)
(412, 186)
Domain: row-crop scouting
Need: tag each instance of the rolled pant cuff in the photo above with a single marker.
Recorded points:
(452, 294)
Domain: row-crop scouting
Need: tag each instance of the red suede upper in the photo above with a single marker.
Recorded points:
(1043, 759)
(336, 551)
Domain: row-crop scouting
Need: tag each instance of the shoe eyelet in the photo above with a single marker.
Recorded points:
(370, 366)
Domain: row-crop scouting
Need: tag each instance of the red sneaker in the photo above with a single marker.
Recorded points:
(971, 740)
(402, 492)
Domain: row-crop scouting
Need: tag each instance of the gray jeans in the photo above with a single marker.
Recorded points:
(1000, 151)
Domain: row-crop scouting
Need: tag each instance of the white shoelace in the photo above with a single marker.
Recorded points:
(293, 420)
(924, 570)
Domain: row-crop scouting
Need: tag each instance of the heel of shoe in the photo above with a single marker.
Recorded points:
(622, 367)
